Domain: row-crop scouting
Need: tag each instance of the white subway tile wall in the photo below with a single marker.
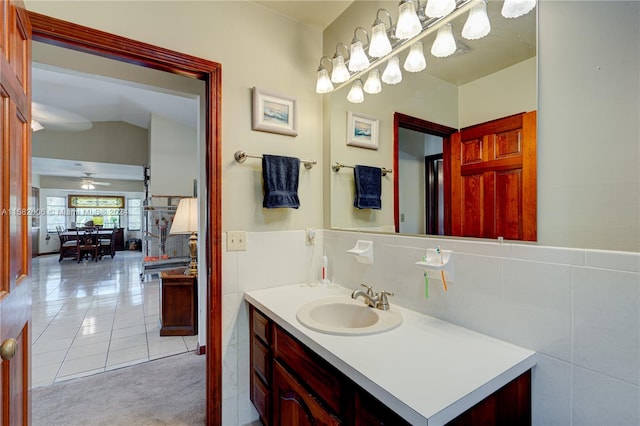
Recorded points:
(579, 309)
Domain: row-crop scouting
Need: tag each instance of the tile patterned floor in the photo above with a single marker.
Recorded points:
(92, 317)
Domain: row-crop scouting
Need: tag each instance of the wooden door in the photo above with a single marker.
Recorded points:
(493, 179)
(293, 405)
(15, 190)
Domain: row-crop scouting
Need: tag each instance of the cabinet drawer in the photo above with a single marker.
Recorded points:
(261, 400)
(260, 325)
(327, 383)
(261, 361)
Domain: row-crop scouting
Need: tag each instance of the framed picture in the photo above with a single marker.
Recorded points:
(362, 130)
(274, 113)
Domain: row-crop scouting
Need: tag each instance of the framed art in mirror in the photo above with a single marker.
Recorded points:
(274, 113)
(362, 130)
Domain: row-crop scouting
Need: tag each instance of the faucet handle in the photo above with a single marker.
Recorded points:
(369, 289)
(383, 303)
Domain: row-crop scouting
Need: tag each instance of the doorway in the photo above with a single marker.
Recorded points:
(53, 31)
(421, 199)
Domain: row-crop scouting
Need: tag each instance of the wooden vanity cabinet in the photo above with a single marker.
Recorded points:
(292, 385)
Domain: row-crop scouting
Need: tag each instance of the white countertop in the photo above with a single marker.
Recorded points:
(427, 370)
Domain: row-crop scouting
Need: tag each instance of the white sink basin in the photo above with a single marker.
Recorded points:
(345, 316)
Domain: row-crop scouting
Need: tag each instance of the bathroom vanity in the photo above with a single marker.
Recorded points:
(424, 372)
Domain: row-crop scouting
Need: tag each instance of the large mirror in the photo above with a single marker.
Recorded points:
(486, 79)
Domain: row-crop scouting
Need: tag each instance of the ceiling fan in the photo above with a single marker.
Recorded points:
(88, 183)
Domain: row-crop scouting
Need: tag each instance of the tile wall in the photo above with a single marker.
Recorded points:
(579, 309)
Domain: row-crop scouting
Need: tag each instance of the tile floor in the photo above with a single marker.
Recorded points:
(92, 317)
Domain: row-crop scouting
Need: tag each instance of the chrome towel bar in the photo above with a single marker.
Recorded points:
(337, 166)
(241, 156)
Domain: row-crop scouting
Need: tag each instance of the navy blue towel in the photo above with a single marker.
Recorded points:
(280, 176)
(368, 187)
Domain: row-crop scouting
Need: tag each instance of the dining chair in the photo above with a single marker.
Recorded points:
(87, 244)
(68, 247)
(107, 244)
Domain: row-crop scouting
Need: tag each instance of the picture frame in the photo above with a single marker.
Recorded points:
(362, 130)
(274, 113)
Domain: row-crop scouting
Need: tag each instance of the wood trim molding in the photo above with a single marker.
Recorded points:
(77, 37)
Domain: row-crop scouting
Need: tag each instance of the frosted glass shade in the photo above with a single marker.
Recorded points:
(392, 73)
(356, 95)
(408, 22)
(323, 83)
(445, 44)
(439, 8)
(358, 60)
(516, 8)
(339, 73)
(380, 44)
(186, 219)
(477, 25)
(415, 61)
(373, 85)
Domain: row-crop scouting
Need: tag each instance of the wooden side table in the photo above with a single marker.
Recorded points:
(178, 303)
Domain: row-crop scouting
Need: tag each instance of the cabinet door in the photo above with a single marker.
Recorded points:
(294, 405)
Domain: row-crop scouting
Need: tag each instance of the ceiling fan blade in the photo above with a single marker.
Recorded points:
(101, 183)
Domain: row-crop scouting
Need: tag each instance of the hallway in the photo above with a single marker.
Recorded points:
(92, 317)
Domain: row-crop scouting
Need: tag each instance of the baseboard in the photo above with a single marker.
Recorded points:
(201, 350)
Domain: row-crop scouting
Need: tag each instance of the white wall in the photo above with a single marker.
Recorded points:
(578, 309)
(173, 157)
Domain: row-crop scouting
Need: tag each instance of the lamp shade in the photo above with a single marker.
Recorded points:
(408, 22)
(392, 73)
(356, 95)
(477, 25)
(323, 83)
(373, 85)
(516, 8)
(445, 44)
(415, 61)
(186, 218)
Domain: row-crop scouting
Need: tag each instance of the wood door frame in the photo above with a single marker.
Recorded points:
(419, 125)
(77, 37)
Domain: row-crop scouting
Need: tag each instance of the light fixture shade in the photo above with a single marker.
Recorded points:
(477, 25)
(356, 95)
(358, 60)
(516, 8)
(439, 8)
(185, 220)
(339, 73)
(415, 61)
(323, 84)
(87, 186)
(445, 44)
(373, 85)
(408, 22)
(380, 44)
(392, 73)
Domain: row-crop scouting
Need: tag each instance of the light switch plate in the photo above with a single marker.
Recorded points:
(311, 236)
(236, 240)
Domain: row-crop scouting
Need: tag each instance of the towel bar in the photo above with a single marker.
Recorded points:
(337, 166)
(241, 156)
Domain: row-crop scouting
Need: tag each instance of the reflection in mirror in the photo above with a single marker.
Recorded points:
(485, 79)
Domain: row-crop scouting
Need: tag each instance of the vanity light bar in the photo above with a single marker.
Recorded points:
(337, 166)
(429, 27)
(241, 156)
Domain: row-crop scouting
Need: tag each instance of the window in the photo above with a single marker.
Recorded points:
(107, 218)
(56, 214)
(134, 214)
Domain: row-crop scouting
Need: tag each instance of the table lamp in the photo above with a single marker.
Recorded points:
(186, 222)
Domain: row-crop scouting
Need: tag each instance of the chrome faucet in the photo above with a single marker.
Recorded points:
(378, 301)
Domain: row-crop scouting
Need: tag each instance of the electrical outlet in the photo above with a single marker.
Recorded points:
(311, 236)
(236, 240)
